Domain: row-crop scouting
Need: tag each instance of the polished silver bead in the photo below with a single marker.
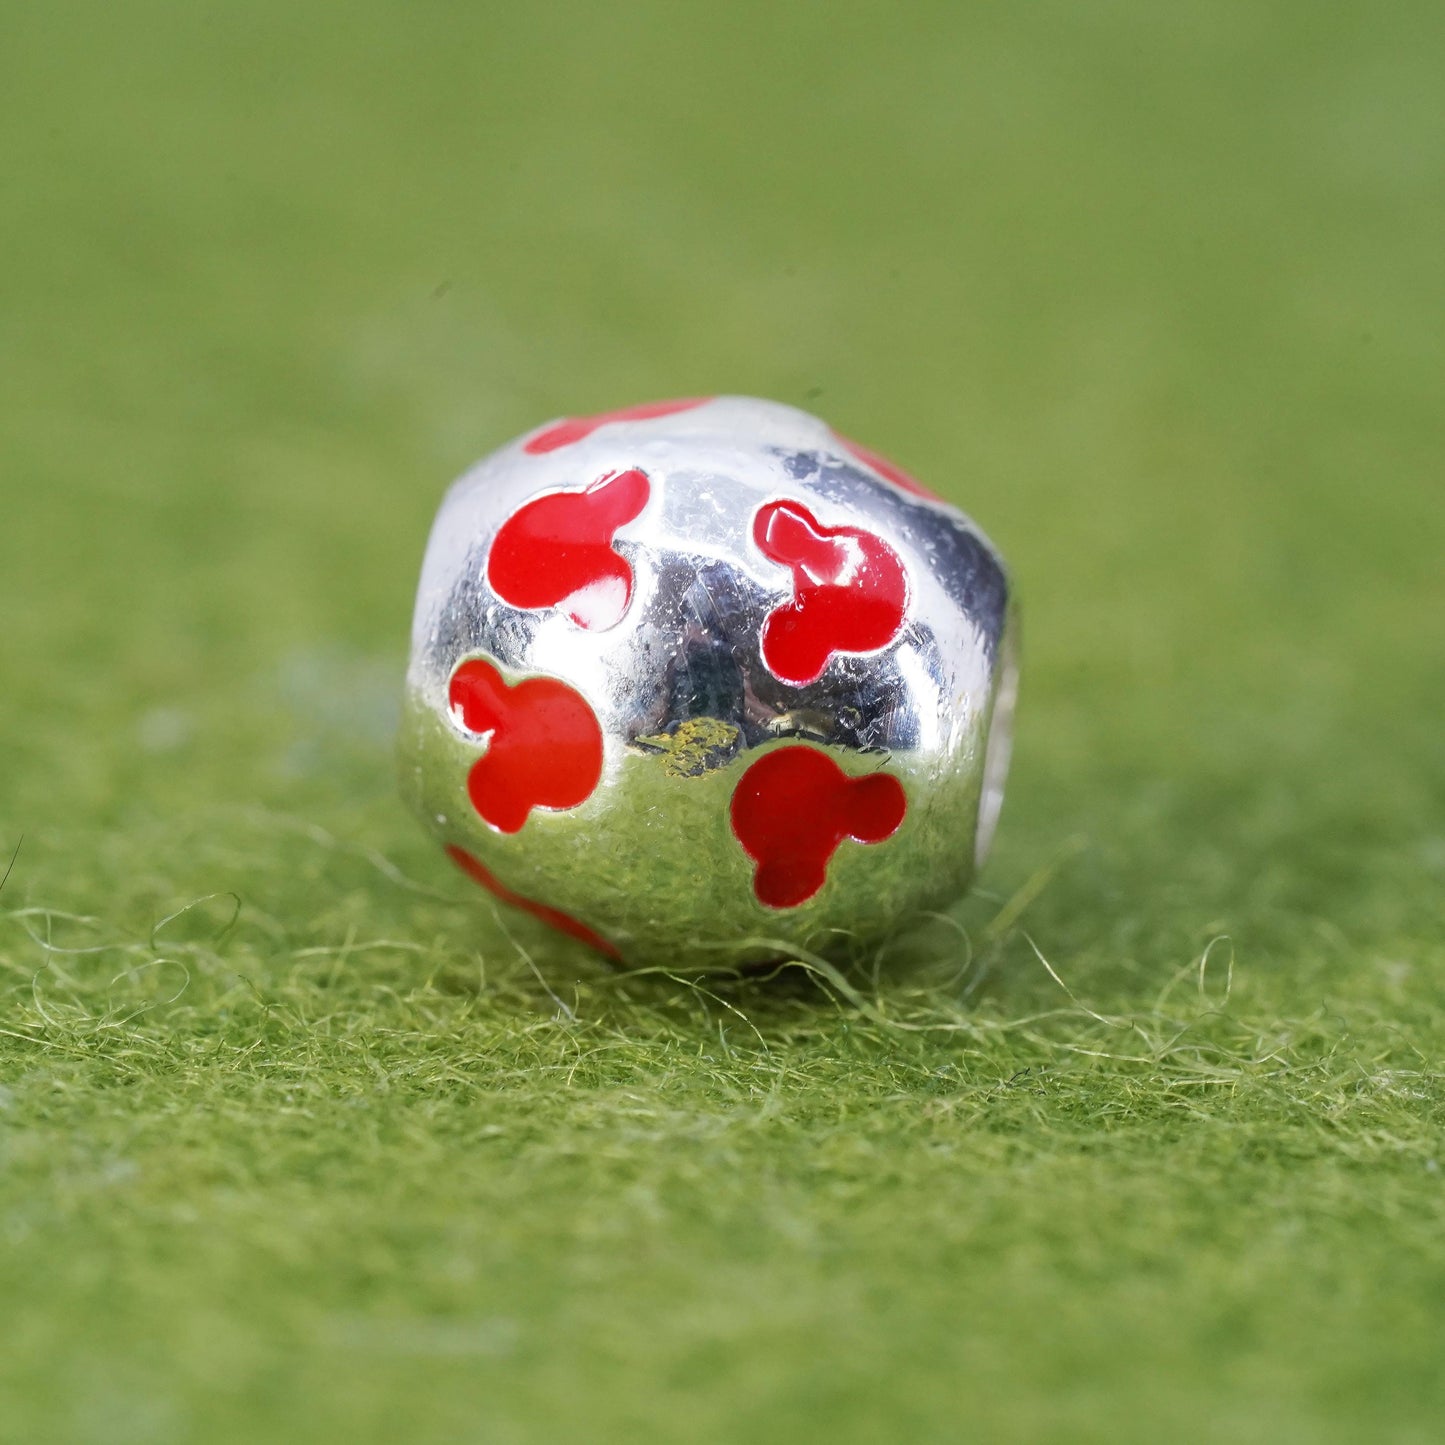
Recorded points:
(703, 681)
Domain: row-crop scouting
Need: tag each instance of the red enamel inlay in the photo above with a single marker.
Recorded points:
(553, 917)
(556, 551)
(891, 471)
(544, 746)
(849, 591)
(575, 428)
(793, 808)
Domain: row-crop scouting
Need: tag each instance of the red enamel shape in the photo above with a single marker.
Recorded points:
(556, 551)
(475, 869)
(544, 745)
(576, 428)
(791, 810)
(849, 591)
(890, 471)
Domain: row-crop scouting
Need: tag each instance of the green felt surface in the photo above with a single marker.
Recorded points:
(1154, 291)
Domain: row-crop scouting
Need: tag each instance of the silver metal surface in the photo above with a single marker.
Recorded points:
(681, 687)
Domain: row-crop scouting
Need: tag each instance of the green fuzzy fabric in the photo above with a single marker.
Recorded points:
(301, 1140)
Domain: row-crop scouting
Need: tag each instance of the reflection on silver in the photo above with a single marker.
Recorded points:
(686, 703)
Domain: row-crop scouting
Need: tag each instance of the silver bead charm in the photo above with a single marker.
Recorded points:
(701, 681)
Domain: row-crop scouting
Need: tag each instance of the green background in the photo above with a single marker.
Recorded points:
(1156, 292)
